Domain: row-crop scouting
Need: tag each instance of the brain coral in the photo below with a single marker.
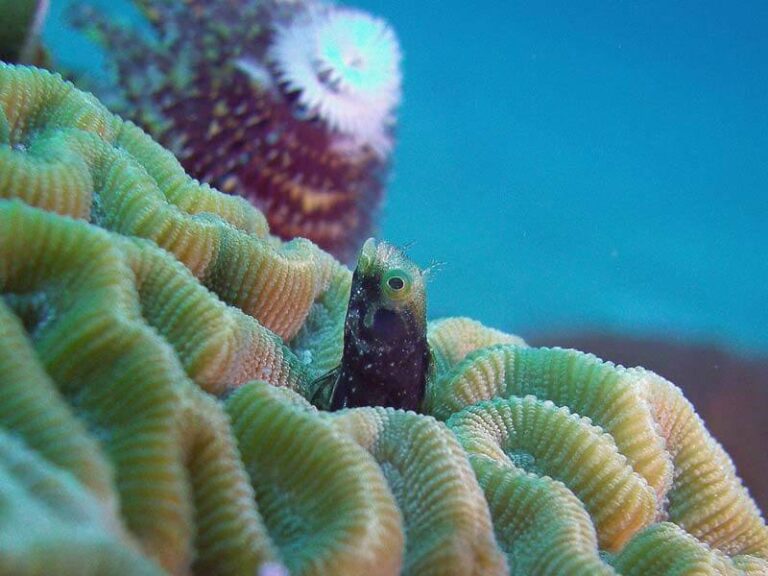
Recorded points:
(288, 104)
(156, 345)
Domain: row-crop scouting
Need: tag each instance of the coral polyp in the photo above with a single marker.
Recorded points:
(288, 104)
(157, 352)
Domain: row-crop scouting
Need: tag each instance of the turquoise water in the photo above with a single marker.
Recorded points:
(581, 165)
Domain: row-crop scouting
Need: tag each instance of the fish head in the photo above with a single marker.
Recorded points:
(387, 304)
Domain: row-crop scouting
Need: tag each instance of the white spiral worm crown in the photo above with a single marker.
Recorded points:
(344, 67)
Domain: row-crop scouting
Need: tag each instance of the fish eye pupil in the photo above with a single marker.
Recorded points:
(396, 283)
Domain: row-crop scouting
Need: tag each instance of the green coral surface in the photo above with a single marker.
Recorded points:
(156, 346)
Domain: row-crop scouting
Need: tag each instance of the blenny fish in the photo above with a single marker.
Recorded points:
(386, 359)
(289, 103)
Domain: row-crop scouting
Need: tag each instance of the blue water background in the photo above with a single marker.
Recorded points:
(594, 164)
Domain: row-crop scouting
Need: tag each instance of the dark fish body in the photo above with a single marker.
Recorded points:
(386, 356)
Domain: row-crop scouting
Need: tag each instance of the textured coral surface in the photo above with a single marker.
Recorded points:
(156, 344)
(728, 390)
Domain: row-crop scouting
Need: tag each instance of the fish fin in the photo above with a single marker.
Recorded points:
(321, 389)
(431, 369)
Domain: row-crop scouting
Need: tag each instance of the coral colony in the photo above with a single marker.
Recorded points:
(158, 350)
(288, 104)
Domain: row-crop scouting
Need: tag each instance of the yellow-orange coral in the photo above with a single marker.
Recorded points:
(502, 402)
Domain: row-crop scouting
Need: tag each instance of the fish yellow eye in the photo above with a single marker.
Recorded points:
(397, 284)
